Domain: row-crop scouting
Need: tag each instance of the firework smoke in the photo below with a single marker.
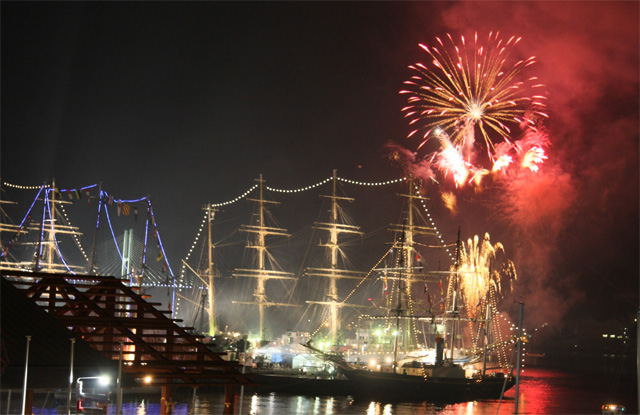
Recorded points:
(573, 224)
(450, 202)
(409, 162)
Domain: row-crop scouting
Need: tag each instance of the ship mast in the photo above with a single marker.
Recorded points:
(411, 269)
(92, 264)
(6, 225)
(261, 273)
(452, 294)
(210, 273)
(211, 212)
(49, 228)
(335, 228)
(398, 309)
(407, 270)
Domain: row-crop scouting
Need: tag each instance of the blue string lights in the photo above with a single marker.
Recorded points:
(108, 199)
(146, 239)
(49, 209)
(26, 216)
(151, 228)
(115, 241)
(160, 240)
(76, 193)
(32, 204)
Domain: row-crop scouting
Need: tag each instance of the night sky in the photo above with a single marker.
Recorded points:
(190, 102)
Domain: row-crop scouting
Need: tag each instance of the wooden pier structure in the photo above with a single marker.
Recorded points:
(149, 346)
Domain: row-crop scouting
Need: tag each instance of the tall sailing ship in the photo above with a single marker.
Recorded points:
(47, 240)
(265, 269)
(38, 236)
(424, 376)
(416, 314)
(335, 226)
(394, 363)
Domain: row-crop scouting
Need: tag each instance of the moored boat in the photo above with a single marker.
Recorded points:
(413, 380)
(418, 378)
(443, 381)
(437, 384)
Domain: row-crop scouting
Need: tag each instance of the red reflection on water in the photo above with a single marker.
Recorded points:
(542, 391)
(554, 391)
(537, 392)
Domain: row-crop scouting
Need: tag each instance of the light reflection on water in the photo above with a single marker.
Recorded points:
(542, 391)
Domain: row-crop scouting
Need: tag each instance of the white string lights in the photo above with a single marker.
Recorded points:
(237, 199)
(193, 245)
(74, 235)
(385, 183)
(433, 225)
(181, 283)
(273, 189)
(16, 186)
(242, 196)
(302, 189)
(102, 198)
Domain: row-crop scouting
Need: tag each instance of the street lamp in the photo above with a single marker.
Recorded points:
(102, 380)
(95, 398)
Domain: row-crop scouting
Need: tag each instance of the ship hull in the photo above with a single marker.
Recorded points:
(302, 385)
(400, 387)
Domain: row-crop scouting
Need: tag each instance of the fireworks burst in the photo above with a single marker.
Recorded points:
(469, 88)
(481, 268)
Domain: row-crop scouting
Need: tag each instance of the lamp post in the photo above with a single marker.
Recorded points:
(73, 342)
(119, 386)
(26, 370)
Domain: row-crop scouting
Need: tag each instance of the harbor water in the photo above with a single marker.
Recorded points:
(542, 391)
